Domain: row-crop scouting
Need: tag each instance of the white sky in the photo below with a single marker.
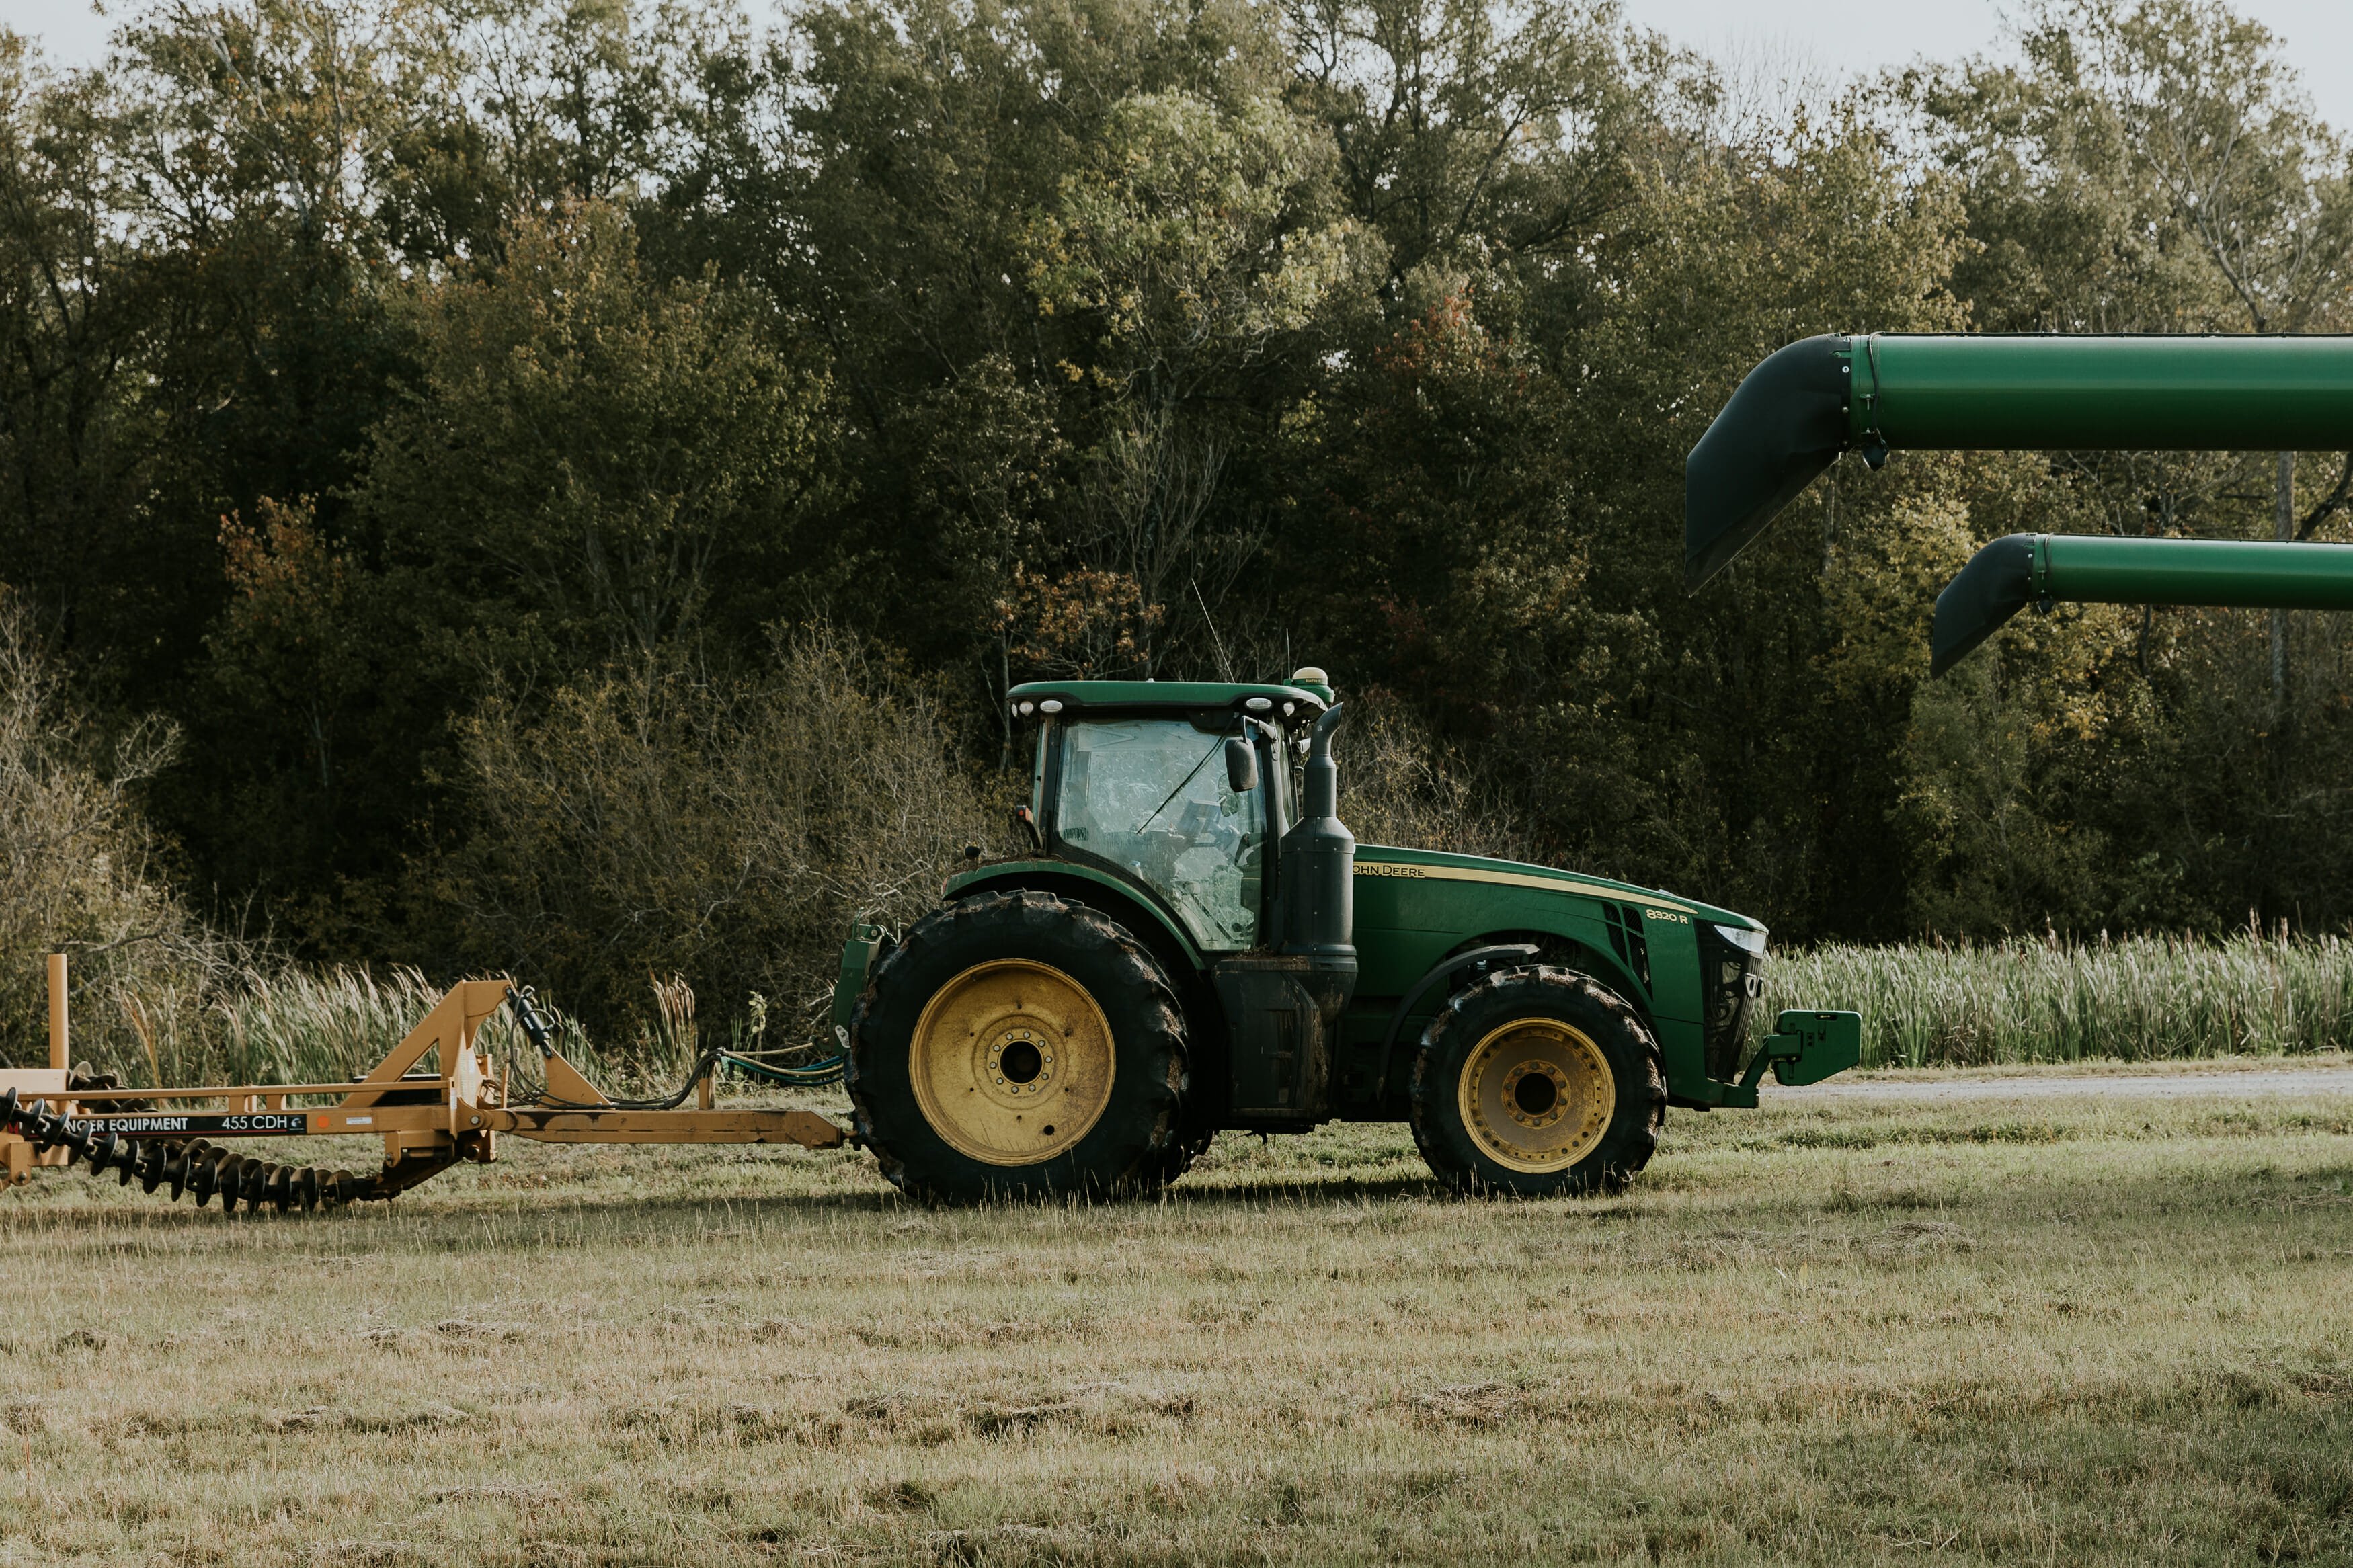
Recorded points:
(1832, 38)
(1842, 37)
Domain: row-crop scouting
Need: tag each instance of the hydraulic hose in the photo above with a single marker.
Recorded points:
(804, 1075)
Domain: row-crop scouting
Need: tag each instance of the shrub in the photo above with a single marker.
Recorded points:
(78, 864)
(663, 819)
(1401, 786)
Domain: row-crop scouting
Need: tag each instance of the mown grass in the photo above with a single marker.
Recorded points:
(2138, 999)
(2080, 1331)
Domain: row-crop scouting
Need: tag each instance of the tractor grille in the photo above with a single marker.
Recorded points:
(1729, 981)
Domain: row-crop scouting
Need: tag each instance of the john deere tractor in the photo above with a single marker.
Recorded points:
(1191, 941)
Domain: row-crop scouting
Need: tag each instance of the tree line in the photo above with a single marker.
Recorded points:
(567, 484)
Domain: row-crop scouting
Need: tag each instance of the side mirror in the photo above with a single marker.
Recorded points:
(1242, 765)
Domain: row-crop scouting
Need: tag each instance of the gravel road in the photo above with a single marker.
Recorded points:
(2237, 1084)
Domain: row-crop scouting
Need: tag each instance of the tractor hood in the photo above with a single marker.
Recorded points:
(1799, 410)
(1431, 865)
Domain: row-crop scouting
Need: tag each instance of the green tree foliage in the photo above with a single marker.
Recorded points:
(1189, 245)
(589, 466)
(1463, 131)
(611, 463)
(433, 410)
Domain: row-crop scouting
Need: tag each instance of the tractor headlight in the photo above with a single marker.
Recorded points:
(1741, 937)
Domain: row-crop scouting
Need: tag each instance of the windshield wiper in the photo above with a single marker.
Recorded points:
(1214, 747)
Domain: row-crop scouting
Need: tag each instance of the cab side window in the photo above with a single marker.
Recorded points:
(1150, 794)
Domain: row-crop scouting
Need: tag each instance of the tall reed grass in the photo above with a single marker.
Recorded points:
(2138, 999)
(284, 1024)
(1923, 1004)
(292, 1025)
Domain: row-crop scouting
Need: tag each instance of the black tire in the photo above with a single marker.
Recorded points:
(1484, 1010)
(1187, 1144)
(1127, 1150)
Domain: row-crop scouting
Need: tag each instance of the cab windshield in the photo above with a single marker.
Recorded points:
(1150, 794)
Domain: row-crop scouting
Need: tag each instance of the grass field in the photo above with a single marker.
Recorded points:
(2091, 1332)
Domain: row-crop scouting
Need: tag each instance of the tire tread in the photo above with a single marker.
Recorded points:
(917, 1162)
(1446, 1147)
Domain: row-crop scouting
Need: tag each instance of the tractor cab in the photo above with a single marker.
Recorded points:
(1171, 805)
(1180, 789)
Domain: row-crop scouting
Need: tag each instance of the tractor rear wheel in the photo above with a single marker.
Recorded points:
(1189, 1142)
(1019, 1045)
(1538, 1080)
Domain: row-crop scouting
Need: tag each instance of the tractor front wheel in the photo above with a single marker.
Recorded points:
(1535, 1081)
(1018, 1044)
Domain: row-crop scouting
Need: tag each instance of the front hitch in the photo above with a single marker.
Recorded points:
(1807, 1048)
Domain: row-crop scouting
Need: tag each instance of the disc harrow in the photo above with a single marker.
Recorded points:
(187, 1165)
(429, 1118)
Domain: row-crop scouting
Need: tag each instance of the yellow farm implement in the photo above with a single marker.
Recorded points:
(430, 1115)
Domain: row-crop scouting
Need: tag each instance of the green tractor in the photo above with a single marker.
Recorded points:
(1192, 941)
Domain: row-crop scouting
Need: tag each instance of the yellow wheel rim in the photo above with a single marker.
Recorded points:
(1536, 1095)
(1012, 1062)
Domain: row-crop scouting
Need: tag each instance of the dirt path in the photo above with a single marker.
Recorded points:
(2122, 1084)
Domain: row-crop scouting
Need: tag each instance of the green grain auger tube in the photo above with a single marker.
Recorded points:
(1189, 940)
(2043, 569)
(1798, 411)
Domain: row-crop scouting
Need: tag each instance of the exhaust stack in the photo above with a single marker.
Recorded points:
(1318, 860)
(1811, 401)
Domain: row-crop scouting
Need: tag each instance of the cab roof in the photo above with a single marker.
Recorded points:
(1273, 699)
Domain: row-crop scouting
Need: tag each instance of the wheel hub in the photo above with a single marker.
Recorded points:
(1019, 1066)
(1536, 1095)
(1012, 1062)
